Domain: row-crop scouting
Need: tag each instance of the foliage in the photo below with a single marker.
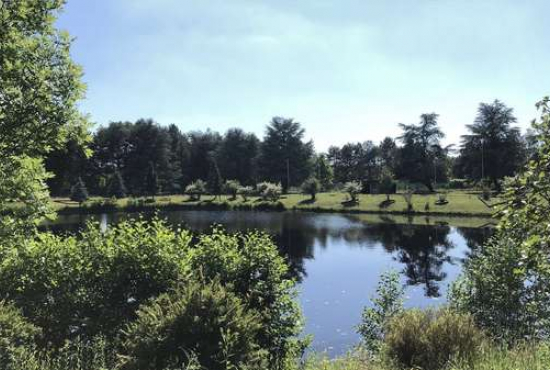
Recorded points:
(493, 146)
(215, 181)
(311, 186)
(232, 188)
(251, 267)
(269, 191)
(506, 284)
(152, 181)
(408, 197)
(79, 193)
(284, 154)
(16, 335)
(422, 151)
(197, 319)
(196, 189)
(457, 184)
(324, 172)
(117, 189)
(431, 339)
(387, 186)
(40, 83)
(237, 155)
(353, 188)
(245, 192)
(387, 304)
(22, 180)
(93, 283)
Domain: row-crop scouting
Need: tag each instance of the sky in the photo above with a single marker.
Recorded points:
(347, 70)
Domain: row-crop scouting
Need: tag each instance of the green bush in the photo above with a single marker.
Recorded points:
(430, 339)
(245, 192)
(269, 191)
(352, 188)
(251, 267)
(231, 187)
(196, 189)
(387, 303)
(458, 184)
(311, 187)
(92, 283)
(202, 320)
(17, 336)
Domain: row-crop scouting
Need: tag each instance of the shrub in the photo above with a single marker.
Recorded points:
(16, 335)
(92, 283)
(387, 303)
(431, 339)
(79, 193)
(408, 196)
(196, 189)
(245, 192)
(441, 198)
(387, 186)
(197, 319)
(257, 274)
(352, 188)
(231, 187)
(458, 184)
(311, 186)
(486, 193)
(269, 191)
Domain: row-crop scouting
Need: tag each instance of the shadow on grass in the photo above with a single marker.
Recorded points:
(350, 203)
(386, 203)
(307, 201)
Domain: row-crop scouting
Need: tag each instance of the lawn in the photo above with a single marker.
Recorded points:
(460, 203)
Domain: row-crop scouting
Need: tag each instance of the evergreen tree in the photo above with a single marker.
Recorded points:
(117, 188)
(324, 172)
(151, 181)
(215, 181)
(79, 193)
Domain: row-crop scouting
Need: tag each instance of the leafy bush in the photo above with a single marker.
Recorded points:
(269, 191)
(92, 283)
(432, 339)
(245, 192)
(232, 187)
(202, 320)
(16, 335)
(196, 189)
(458, 184)
(506, 284)
(252, 268)
(387, 186)
(311, 186)
(353, 188)
(387, 303)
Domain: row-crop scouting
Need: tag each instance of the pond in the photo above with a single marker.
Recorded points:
(338, 259)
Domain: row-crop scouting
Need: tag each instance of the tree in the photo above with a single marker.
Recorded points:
(311, 186)
(493, 148)
(237, 156)
(40, 87)
(284, 157)
(388, 154)
(387, 186)
(324, 172)
(79, 193)
(215, 181)
(353, 188)
(506, 284)
(196, 189)
(421, 151)
(151, 181)
(117, 188)
(232, 188)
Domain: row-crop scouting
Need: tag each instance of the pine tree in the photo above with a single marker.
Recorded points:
(215, 181)
(117, 188)
(79, 193)
(151, 182)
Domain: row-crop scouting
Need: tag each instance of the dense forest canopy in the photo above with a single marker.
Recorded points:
(127, 154)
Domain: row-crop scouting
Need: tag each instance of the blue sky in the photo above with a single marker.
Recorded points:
(348, 70)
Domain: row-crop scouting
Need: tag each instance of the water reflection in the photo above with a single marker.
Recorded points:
(338, 258)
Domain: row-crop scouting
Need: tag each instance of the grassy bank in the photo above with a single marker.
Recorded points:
(459, 203)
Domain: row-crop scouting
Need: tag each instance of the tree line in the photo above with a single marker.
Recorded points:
(145, 158)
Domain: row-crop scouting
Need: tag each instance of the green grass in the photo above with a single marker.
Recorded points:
(460, 203)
